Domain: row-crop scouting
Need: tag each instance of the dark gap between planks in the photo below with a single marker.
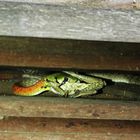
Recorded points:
(114, 91)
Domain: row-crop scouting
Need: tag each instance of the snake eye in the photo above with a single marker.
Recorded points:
(45, 86)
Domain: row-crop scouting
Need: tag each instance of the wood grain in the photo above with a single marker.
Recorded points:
(42, 20)
(110, 4)
(70, 54)
(69, 108)
(67, 129)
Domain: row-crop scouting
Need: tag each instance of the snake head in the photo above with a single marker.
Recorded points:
(32, 90)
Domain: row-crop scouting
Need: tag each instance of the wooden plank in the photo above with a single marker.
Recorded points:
(67, 129)
(71, 54)
(24, 19)
(69, 108)
(127, 4)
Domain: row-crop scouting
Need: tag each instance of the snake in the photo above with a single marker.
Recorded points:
(32, 90)
(35, 86)
(22, 84)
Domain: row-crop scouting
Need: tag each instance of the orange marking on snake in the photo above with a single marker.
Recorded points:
(35, 89)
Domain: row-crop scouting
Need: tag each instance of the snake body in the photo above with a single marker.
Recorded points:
(28, 89)
(35, 89)
(119, 77)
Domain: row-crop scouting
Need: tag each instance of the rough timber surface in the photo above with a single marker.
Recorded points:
(67, 129)
(69, 108)
(42, 20)
(110, 4)
(67, 53)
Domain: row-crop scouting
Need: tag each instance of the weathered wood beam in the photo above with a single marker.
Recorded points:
(69, 108)
(72, 54)
(67, 129)
(127, 4)
(25, 19)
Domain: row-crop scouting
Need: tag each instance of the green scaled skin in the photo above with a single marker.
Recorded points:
(118, 77)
